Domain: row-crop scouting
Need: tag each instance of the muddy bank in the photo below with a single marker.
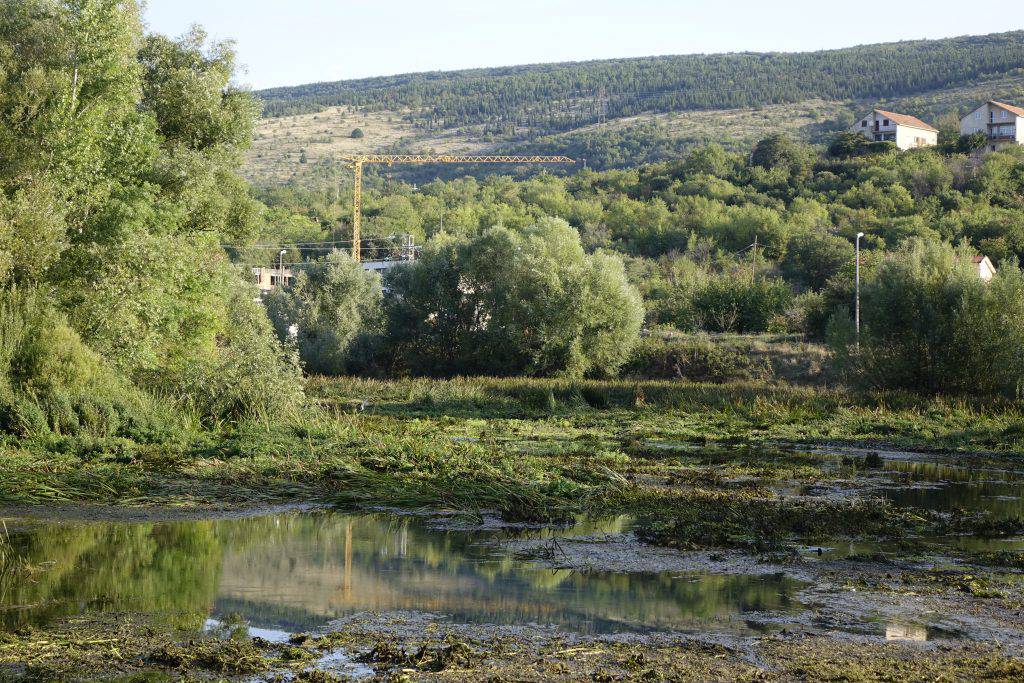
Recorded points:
(420, 646)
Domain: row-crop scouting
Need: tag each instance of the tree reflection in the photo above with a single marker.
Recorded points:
(303, 569)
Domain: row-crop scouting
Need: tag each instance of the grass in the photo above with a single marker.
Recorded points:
(698, 461)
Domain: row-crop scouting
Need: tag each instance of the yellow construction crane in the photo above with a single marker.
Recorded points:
(357, 161)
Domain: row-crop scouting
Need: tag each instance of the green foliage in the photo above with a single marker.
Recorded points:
(813, 257)
(560, 96)
(52, 383)
(972, 142)
(335, 308)
(930, 323)
(357, 134)
(512, 302)
(119, 182)
(779, 151)
(696, 360)
(735, 304)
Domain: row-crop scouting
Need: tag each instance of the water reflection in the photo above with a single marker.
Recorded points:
(940, 487)
(298, 570)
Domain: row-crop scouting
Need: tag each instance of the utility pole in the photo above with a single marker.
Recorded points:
(856, 276)
(280, 267)
(753, 261)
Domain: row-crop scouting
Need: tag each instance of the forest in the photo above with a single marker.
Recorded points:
(556, 97)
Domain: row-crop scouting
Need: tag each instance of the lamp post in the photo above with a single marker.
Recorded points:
(280, 266)
(856, 305)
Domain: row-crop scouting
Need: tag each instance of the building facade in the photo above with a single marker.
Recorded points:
(268, 278)
(908, 132)
(1000, 122)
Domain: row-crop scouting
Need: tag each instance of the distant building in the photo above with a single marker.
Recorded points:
(986, 271)
(906, 131)
(268, 278)
(1001, 123)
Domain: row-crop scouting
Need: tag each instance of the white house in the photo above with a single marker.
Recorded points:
(1001, 123)
(908, 132)
(986, 271)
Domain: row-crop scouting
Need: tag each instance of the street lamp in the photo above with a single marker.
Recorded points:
(856, 305)
(280, 266)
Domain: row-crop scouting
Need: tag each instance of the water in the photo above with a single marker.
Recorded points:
(297, 571)
(940, 487)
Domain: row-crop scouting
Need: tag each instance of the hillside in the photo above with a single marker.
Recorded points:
(622, 112)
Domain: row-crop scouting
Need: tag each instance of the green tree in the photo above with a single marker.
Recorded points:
(929, 323)
(332, 312)
(779, 151)
(118, 185)
(513, 302)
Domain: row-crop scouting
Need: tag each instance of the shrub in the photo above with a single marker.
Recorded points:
(929, 323)
(733, 304)
(357, 134)
(513, 302)
(247, 376)
(694, 359)
(51, 382)
(335, 308)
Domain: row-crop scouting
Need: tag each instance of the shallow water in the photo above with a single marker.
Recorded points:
(935, 486)
(296, 571)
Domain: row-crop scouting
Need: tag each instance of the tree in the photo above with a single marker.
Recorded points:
(782, 152)
(331, 312)
(812, 257)
(929, 323)
(513, 302)
(848, 144)
(118, 185)
(357, 134)
(971, 142)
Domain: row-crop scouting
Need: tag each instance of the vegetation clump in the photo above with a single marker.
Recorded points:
(528, 302)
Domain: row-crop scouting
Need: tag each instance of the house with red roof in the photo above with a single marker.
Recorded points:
(908, 132)
(1002, 124)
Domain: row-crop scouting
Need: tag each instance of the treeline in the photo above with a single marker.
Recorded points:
(556, 97)
(120, 315)
(715, 241)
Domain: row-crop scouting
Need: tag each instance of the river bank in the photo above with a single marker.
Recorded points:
(479, 528)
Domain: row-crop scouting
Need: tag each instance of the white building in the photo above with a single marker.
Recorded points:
(908, 132)
(1000, 122)
(986, 271)
(268, 278)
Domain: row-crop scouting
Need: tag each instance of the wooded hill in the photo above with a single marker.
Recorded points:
(556, 97)
(626, 112)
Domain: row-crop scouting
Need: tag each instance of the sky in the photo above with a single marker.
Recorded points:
(291, 42)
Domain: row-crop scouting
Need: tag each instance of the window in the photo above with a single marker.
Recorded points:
(864, 124)
(885, 122)
(977, 116)
(1002, 114)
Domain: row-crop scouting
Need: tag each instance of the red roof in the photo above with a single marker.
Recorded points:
(905, 120)
(1008, 107)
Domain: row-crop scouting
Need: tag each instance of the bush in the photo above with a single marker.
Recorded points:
(51, 382)
(334, 307)
(357, 134)
(929, 323)
(735, 304)
(248, 376)
(694, 359)
(527, 302)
